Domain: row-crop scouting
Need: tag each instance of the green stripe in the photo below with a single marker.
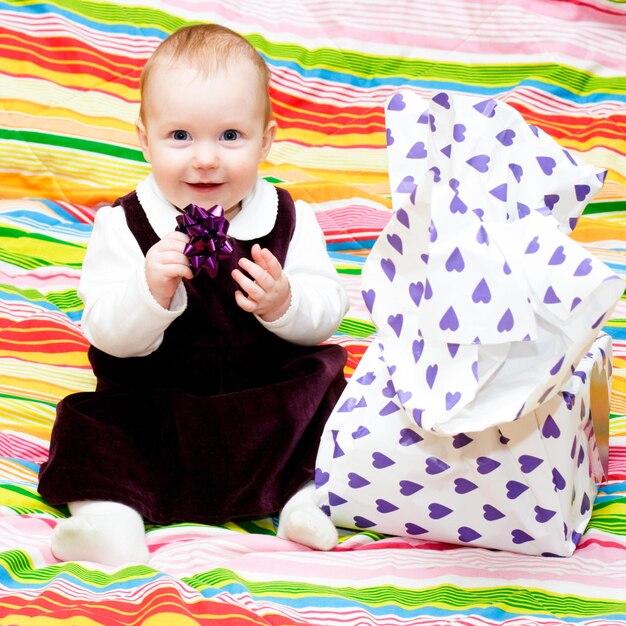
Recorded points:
(26, 261)
(610, 516)
(64, 300)
(509, 599)
(67, 300)
(74, 143)
(25, 256)
(360, 64)
(22, 492)
(20, 260)
(605, 207)
(356, 328)
(21, 569)
(493, 75)
(110, 13)
(350, 271)
(35, 401)
(35, 505)
(18, 233)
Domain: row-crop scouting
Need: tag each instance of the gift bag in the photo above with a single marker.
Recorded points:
(468, 418)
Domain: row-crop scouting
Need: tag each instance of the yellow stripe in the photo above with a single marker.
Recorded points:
(605, 158)
(66, 254)
(591, 229)
(16, 472)
(65, 174)
(65, 122)
(72, 79)
(613, 189)
(44, 391)
(372, 141)
(47, 96)
(77, 358)
(318, 192)
(594, 142)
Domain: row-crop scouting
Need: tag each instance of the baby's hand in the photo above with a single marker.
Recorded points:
(267, 287)
(166, 265)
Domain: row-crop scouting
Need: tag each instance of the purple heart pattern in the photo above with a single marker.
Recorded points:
(513, 487)
(476, 257)
(473, 287)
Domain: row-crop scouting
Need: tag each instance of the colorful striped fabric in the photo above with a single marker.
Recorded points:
(69, 72)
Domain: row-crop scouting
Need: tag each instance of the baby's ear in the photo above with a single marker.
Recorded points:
(268, 138)
(142, 135)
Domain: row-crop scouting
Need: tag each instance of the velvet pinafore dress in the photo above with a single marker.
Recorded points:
(222, 421)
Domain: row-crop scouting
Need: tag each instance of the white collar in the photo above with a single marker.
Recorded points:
(256, 218)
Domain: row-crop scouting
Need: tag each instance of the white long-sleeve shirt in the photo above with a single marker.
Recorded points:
(122, 318)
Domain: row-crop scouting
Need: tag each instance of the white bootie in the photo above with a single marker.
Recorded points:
(104, 532)
(302, 521)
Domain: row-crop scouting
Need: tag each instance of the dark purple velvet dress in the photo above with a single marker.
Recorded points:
(223, 421)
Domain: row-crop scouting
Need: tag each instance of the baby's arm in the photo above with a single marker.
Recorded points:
(317, 299)
(122, 317)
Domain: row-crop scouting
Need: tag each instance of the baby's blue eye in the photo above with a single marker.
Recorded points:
(180, 135)
(230, 135)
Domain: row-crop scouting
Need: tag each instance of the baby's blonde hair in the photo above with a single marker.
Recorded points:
(207, 48)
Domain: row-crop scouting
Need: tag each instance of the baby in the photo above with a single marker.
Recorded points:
(212, 391)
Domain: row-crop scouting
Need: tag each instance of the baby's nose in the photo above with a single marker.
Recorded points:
(205, 155)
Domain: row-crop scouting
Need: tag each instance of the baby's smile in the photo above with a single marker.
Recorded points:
(202, 186)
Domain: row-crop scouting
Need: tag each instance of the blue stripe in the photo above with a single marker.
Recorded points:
(442, 85)
(613, 488)
(363, 244)
(143, 575)
(615, 332)
(36, 219)
(74, 316)
(104, 27)
(493, 613)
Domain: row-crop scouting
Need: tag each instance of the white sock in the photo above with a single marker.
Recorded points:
(302, 521)
(105, 532)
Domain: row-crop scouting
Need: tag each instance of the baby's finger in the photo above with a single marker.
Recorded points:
(248, 285)
(172, 244)
(177, 270)
(258, 274)
(272, 266)
(249, 306)
(176, 234)
(257, 255)
(170, 257)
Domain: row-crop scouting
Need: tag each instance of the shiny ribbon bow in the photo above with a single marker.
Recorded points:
(208, 243)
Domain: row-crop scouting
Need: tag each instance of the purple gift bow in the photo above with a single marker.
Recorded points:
(208, 241)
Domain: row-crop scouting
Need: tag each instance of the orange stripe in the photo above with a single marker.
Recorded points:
(160, 606)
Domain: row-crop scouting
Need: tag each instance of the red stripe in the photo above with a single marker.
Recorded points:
(70, 56)
(326, 118)
(588, 5)
(581, 127)
(30, 336)
(164, 601)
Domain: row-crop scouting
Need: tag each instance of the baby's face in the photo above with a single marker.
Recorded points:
(205, 136)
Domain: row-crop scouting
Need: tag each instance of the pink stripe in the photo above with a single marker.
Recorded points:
(485, 30)
(37, 279)
(13, 446)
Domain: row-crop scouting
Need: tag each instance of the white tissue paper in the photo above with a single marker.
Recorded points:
(468, 418)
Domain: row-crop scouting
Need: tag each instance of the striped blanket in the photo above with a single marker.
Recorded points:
(69, 74)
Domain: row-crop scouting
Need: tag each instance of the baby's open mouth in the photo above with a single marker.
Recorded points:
(204, 185)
